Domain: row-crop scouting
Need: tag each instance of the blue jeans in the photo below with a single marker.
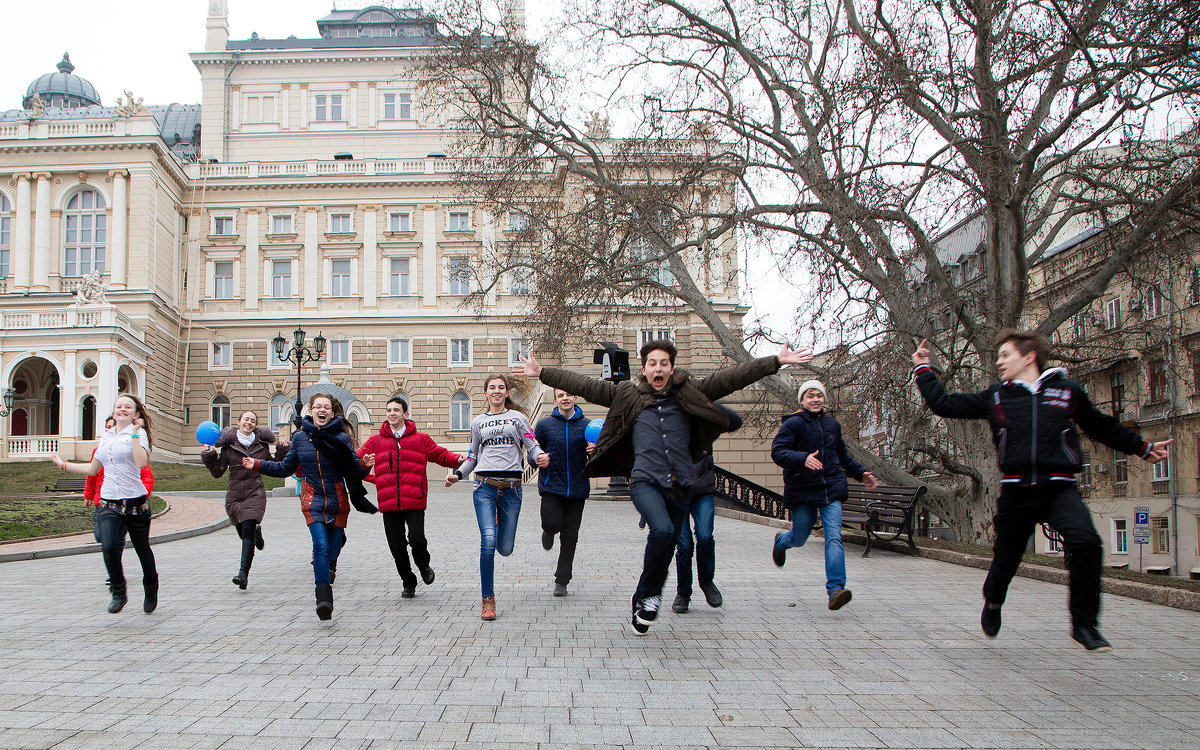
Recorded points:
(666, 513)
(488, 499)
(327, 541)
(804, 516)
(706, 548)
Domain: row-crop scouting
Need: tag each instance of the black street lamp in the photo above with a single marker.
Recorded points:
(298, 354)
(10, 395)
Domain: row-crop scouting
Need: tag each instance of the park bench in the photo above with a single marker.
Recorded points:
(885, 513)
(67, 484)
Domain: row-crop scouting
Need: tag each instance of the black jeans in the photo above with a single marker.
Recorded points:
(666, 512)
(1018, 511)
(394, 522)
(113, 526)
(562, 515)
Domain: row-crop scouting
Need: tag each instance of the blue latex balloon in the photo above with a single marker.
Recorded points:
(591, 433)
(207, 433)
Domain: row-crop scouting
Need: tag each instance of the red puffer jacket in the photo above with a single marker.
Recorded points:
(399, 474)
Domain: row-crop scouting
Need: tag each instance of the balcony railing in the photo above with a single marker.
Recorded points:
(69, 317)
(320, 168)
(33, 445)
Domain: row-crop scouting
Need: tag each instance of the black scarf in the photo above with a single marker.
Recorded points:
(344, 460)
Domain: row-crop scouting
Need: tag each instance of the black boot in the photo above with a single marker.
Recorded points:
(118, 599)
(258, 539)
(243, 576)
(324, 601)
(151, 588)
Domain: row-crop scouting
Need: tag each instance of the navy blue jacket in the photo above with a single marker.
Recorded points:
(563, 439)
(323, 494)
(801, 435)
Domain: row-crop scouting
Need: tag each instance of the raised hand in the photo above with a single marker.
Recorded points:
(1159, 451)
(921, 355)
(528, 367)
(789, 356)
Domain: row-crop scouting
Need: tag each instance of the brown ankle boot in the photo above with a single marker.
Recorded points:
(489, 608)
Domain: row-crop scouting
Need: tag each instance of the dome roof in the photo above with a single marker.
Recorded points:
(62, 89)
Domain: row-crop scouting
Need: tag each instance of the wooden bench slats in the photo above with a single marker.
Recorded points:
(885, 506)
(67, 484)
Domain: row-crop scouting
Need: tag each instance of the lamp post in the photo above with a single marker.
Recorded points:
(298, 354)
(10, 395)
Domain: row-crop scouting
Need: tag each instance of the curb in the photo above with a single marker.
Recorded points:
(1164, 595)
(83, 549)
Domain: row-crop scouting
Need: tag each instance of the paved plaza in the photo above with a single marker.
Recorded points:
(904, 665)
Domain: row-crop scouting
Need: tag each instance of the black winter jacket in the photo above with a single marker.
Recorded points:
(1035, 436)
(563, 439)
(803, 434)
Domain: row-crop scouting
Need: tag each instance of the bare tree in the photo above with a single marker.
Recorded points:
(850, 138)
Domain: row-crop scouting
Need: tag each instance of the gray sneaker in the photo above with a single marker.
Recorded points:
(560, 589)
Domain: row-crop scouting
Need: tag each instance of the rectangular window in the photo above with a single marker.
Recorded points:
(281, 224)
(1194, 286)
(397, 106)
(1120, 468)
(1161, 471)
(339, 280)
(646, 335)
(460, 412)
(520, 281)
(281, 278)
(223, 279)
(518, 348)
(327, 107)
(460, 276)
(1160, 535)
(223, 225)
(1158, 379)
(1116, 384)
(339, 352)
(1120, 536)
(222, 355)
(398, 277)
(1153, 303)
(517, 222)
(399, 221)
(5, 236)
(340, 223)
(1112, 314)
(277, 360)
(399, 352)
(459, 221)
(460, 351)
(1079, 327)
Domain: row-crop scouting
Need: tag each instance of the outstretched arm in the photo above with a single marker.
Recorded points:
(952, 405)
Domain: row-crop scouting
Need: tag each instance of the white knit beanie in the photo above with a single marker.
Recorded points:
(811, 385)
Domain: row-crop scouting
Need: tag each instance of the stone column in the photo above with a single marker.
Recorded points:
(429, 259)
(118, 236)
(250, 284)
(370, 257)
(310, 275)
(68, 410)
(41, 233)
(22, 258)
(106, 394)
(303, 124)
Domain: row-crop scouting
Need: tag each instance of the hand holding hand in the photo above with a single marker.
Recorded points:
(247, 462)
(368, 460)
(543, 460)
(451, 478)
(921, 355)
(813, 462)
(528, 367)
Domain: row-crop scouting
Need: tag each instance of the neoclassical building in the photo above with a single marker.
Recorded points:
(160, 249)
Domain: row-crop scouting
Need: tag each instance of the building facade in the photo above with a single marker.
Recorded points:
(160, 249)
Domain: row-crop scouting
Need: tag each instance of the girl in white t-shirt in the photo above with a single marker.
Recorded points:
(124, 506)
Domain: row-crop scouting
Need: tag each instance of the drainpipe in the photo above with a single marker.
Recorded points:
(237, 58)
(1171, 359)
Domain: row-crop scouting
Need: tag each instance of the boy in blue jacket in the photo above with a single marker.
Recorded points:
(815, 463)
(562, 485)
(1033, 413)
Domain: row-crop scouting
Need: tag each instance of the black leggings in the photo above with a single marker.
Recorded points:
(113, 526)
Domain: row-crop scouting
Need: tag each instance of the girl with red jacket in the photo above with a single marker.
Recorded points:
(401, 453)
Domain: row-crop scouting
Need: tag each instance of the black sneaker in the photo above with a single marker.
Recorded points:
(547, 540)
(427, 575)
(647, 609)
(409, 591)
(712, 595)
(989, 620)
(1090, 639)
(779, 556)
(681, 604)
(839, 598)
(639, 627)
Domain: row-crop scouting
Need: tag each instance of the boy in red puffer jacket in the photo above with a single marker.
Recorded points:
(401, 453)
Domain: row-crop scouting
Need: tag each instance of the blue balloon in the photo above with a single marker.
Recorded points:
(208, 432)
(591, 433)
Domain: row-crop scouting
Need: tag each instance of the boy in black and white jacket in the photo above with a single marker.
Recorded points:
(1033, 414)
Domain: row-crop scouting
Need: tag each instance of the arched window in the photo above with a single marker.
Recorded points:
(85, 234)
(460, 411)
(220, 410)
(281, 411)
(87, 418)
(5, 234)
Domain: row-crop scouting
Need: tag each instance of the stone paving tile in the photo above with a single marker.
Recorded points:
(218, 667)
